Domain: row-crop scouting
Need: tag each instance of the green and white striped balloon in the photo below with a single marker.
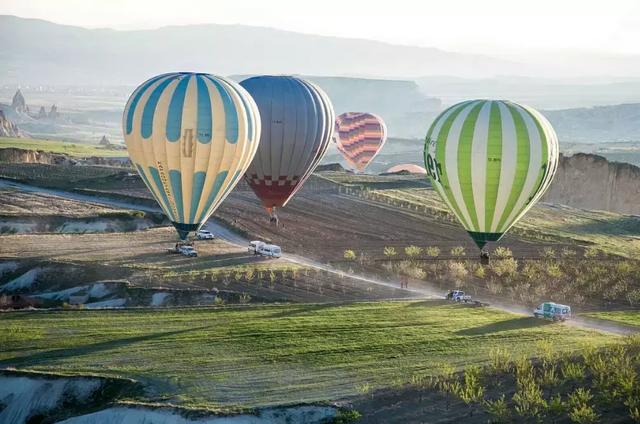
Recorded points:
(490, 161)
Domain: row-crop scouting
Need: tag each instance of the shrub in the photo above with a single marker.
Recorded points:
(458, 251)
(498, 409)
(499, 360)
(548, 252)
(412, 251)
(432, 251)
(583, 414)
(504, 267)
(244, 298)
(572, 370)
(479, 272)
(457, 270)
(591, 252)
(346, 416)
(567, 252)
(350, 255)
(502, 252)
(390, 251)
(472, 390)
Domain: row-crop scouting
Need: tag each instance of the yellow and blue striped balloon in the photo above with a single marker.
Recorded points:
(490, 161)
(191, 136)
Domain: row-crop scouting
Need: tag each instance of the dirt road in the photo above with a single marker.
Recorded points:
(233, 238)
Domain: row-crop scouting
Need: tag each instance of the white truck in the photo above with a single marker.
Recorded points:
(554, 311)
(458, 296)
(204, 235)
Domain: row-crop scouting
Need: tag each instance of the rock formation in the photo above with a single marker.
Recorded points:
(104, 141)
(53, 112)
(42, 114)
(18, 104)
(8, 128)
(591, 182)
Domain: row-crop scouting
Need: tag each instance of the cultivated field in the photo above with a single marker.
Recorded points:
(268, 355)
(55, 146)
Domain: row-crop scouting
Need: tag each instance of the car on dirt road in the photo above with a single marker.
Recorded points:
(458, 296)
(254, 246)
(185, 250)
(554, 311)
(204, 235)
(270, 250)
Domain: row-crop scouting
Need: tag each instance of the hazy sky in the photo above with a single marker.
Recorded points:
(486, 26)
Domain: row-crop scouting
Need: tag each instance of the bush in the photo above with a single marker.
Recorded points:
(350, 255)
(457, 271)
(412, 251)
(502, 252)
(498, 409)
(346, 416)
(458, 251)
(432, 251)
(504, 267)
(390, 251)
(548, 252)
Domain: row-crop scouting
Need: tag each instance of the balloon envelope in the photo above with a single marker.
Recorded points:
(406, 167)
(359, 137)
(191, 136)
(490, 161)
(297, 126)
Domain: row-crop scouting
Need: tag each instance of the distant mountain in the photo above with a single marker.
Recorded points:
(40, 52)
(597, 124)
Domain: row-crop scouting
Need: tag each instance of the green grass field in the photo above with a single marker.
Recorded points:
(256, 356)
(55, 146)
(624, 317)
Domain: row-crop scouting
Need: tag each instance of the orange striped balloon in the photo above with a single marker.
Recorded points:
(359, 137)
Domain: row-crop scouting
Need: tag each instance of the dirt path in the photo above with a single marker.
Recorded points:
(231, 237)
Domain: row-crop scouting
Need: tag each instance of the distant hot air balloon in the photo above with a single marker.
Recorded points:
(359, 137)
(490, 161)
(297, 126)
(406, 167)
(191, 137)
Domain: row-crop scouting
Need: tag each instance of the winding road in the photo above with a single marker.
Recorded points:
(231, 237)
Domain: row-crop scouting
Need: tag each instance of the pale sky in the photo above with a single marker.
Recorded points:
(497, 27)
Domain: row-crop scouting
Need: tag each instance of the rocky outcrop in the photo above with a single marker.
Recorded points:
(104, 141)
(8, 128)
(18, 104)
(15, 155)
(42, 114)
(53, 112)
(592, 182)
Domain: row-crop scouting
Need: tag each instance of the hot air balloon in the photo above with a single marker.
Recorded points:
(359, 137)
(490, 161)
(297, 126)
(191, 137)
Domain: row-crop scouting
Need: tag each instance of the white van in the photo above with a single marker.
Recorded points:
(554, 311)
(254, 246)
(270, 250)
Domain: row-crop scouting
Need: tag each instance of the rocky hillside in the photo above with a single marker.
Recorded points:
(591, 182)
(8, 128)
(15, 155)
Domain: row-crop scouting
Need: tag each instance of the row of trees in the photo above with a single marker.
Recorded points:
(558, 275)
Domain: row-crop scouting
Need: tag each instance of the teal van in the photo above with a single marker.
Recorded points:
(554, 311)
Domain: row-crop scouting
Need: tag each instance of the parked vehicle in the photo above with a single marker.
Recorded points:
(270, 250)
(254, 246)
(184, 249)
(204, 235)
(458, 296)
(554, 311)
